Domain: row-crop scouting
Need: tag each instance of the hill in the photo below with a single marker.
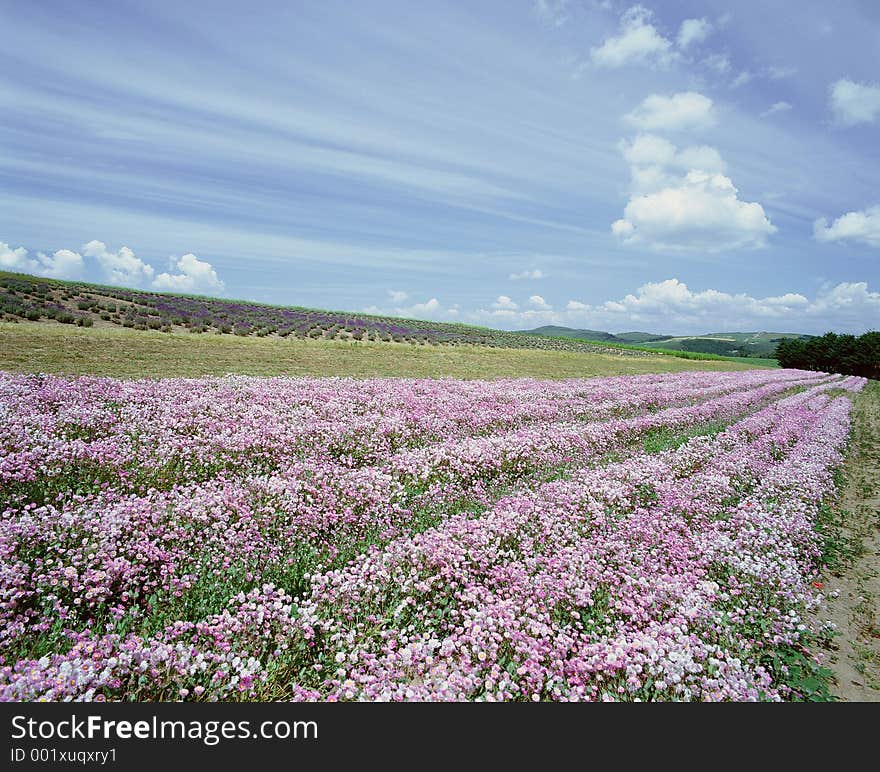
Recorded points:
(736, 344)
(34, 299)
(41, 300)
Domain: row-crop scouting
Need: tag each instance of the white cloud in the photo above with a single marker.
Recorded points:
(639, 42)
(682, 200)
(648, 150)
(776, 107)
(853, 103)
(504, 303)
(538, 302)
(693, 31)
(672, 307)
(536, 274)
(122, 267)
(16, 259)
(701, 211)
(194, 275)
(649, 155)
(740, 80)
(685, 110)
(702, 157)
(719, 63)
(62, 264)
(674, 297)
(861, 226)
(848, 305)
(430, 309)
(397, 296)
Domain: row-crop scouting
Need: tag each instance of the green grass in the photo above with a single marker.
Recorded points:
(694, 355)
(123, 353)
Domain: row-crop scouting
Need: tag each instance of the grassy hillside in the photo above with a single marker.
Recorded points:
(52, 302)
(639, 337)
(126, 353)
(727, 343)
(566, 332)
(738, 344)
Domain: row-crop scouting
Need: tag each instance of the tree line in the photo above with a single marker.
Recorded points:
(832, 353)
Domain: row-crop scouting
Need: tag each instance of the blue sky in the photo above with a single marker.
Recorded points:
(675, 166)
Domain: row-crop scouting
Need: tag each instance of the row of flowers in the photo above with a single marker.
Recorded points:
(668, 575)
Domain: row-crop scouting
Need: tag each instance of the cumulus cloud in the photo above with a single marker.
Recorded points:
(192, 275)
(672, 307)
(639, 42)
(675, 297)
(702, 211)
(538, 302)
(536, 274)
(682, 200)
(430, 309)
(504, 303)
(693, 31)
(16, 259)
(863, 226)
(62, 264)
(650, 155)
(397, 296)
(685, 110)
(776, 107)
(853, 103)
(121, 267)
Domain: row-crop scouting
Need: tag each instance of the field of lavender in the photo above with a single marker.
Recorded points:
(37, 299)
(632, 538)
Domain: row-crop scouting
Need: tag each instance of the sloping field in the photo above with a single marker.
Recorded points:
(53, 302)
(57, 348)
(648, 538)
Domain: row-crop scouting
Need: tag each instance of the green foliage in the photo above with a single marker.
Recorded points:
(832, 353)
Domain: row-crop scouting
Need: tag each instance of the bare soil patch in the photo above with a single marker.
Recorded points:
(854, 595)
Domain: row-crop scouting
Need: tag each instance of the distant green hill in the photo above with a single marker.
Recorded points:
(750, 344)
(639, 337)
(567, 332)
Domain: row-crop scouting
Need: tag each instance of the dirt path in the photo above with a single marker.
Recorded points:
(855, 661)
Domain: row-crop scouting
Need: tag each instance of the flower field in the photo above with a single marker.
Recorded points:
(630, 538)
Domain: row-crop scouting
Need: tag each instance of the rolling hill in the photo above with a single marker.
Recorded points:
(750, 344)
